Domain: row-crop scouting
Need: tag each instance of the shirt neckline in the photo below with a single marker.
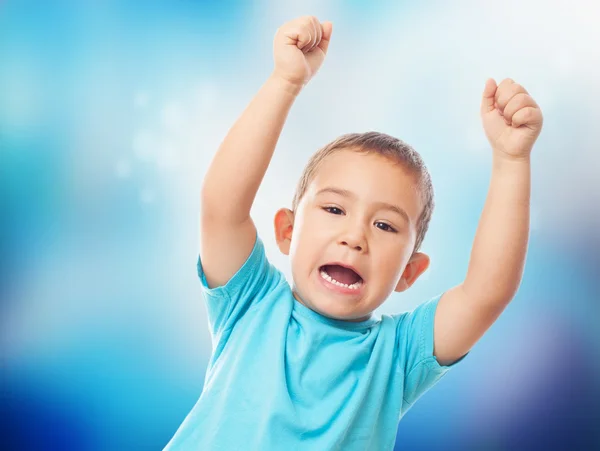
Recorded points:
(338, 323)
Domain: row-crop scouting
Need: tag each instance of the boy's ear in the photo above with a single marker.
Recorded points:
(416, 266)
(284, 224)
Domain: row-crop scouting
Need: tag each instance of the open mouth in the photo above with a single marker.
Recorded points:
(341, 276)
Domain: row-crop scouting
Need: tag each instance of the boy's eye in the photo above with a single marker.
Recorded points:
(380, 225)
(333, 210)
(386, 227)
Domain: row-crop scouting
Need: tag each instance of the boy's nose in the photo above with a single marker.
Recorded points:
(358, 247)
(355, 241)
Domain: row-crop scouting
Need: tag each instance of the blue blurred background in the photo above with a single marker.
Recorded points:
(109, 115)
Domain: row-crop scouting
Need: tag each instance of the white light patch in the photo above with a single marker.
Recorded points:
(173, 117)
(205, 96)
(167, 158)
(476, 141)
(144, 145)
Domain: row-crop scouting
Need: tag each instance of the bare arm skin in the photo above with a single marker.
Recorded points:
(239, 165)
(512, 121)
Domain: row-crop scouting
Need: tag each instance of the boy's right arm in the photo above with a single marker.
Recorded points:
(235, 173)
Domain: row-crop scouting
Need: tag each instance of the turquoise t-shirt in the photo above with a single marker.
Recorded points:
(284, 377)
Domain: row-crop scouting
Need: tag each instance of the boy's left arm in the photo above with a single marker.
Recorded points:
(512, 121)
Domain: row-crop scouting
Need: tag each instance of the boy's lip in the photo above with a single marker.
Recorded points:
(338, 289)
(345, 266)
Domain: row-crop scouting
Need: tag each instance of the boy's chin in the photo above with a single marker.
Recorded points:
(336, 303)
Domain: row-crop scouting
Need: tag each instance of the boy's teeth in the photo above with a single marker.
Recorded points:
(327, 277)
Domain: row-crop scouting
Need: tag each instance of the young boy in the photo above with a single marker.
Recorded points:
(309, 367)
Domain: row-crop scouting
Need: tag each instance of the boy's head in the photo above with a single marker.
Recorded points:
(364, 201)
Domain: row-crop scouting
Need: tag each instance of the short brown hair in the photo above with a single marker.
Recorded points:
(384, 145)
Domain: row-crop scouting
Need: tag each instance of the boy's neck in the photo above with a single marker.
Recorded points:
(358, 320)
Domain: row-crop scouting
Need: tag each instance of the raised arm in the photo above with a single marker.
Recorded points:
(239, 165)
(512, 121)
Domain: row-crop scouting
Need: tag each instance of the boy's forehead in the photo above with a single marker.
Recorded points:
(370, 177)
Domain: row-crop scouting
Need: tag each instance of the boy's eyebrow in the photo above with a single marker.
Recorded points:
(350, 194)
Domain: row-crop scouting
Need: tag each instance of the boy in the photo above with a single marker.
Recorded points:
(309, 367)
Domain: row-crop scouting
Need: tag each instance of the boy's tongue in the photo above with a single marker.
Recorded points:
(341, 274)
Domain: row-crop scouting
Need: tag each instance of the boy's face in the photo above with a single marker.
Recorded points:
(344, 218)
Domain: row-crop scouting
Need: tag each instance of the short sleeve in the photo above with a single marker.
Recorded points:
(227, 303)
(414, 337)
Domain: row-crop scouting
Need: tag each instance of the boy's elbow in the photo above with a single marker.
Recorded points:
(226, 197)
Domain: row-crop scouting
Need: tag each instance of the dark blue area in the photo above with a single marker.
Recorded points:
(40, 421)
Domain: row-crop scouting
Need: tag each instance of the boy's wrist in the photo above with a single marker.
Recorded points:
(286, 85)
(501, 161)
(501, 155)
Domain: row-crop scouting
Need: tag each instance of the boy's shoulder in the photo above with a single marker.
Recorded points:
(417, 325)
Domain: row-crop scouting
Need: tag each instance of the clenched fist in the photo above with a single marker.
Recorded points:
(512, 120)
(299, 49)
